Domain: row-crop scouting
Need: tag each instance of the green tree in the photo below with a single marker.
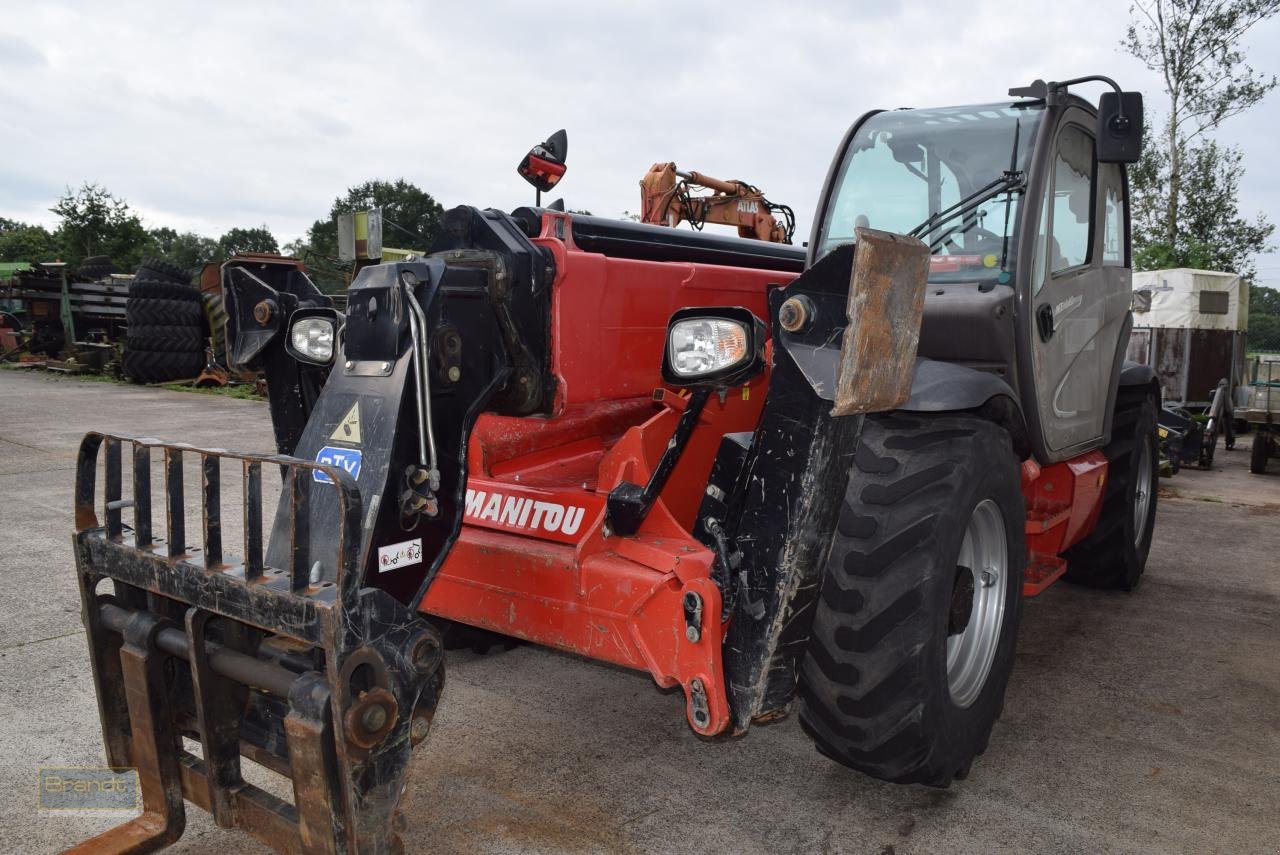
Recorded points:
(1264, 318)
(185, 249)
(410, 217)
(240, 240)
(25, 242)
(94, 222)
(1194, 45)
(1212, 234)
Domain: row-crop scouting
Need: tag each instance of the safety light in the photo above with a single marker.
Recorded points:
(311, 339)
(712, 346)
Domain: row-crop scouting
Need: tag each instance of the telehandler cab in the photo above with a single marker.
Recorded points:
(821, 479)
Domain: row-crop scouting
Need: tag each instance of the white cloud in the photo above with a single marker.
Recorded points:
(209, 116)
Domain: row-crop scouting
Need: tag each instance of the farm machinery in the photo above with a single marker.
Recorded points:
(817, 480)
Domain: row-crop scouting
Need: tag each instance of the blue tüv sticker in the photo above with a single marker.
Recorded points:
(343, 458)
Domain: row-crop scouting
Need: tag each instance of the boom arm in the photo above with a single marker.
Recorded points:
(666, 200)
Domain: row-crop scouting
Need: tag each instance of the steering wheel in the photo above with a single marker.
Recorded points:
(983, 235)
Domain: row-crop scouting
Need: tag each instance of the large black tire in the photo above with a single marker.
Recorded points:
(160, 366)
(165, 311)
(459, 636)
(152, 288)
(96, 267)
(161, 269)
(1115, 552)
(874, 687)
(178, 339)
(1261, 452)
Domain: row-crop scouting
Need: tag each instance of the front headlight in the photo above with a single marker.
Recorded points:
(714, 346)
(701, 346)
(312, 339)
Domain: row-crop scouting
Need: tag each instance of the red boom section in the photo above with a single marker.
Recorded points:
(534, 559)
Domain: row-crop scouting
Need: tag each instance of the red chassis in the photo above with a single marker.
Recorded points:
(535, 559)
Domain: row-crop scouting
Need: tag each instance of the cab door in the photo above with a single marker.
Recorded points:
(1079, 290)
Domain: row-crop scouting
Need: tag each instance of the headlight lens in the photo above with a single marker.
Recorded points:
(699, 346)
(313, 338)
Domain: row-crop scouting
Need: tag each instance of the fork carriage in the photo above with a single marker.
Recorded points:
(286, 663)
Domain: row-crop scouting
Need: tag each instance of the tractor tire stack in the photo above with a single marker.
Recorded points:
(166, 325)
(96, 267)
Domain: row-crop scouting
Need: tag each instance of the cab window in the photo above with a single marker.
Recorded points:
(1072, 207)
(1112, 214)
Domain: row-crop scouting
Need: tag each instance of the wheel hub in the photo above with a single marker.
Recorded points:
(961, 601)
(977, 603)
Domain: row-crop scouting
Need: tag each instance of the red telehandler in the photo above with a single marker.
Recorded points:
(819, 480)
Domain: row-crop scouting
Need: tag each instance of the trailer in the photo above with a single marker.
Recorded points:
(1190, 326)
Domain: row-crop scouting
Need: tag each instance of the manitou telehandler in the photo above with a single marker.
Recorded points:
(771, 476)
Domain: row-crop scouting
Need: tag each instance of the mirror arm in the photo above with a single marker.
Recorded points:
(1058, 87)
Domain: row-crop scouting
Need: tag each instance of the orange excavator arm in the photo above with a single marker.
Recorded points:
(666, 200)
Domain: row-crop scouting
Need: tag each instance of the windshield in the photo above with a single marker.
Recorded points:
(905, 166)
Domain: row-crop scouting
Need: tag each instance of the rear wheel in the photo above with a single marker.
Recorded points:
(913, 637)
(1115, 553)
(1261, 451)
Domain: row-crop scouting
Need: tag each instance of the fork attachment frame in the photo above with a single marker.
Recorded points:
(327, 683)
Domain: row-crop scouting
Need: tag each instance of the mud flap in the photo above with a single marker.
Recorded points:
(326, 683)
(848, 350)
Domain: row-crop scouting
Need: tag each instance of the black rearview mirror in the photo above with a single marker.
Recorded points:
(1119, 127)
(543, 166)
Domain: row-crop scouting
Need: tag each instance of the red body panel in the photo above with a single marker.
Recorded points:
(535, 560)
(1063, 501)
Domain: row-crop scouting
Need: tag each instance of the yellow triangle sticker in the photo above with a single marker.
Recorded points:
(348, 430)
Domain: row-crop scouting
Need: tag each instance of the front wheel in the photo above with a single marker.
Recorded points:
(913, 637)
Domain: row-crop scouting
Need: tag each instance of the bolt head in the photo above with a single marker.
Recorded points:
(454, 373)
(988, 578)
(691, 633)
(386, 366)
(374, 717)
(426, 654)
(263, 312)
(795, 314)
(349, 365)
(418, 730)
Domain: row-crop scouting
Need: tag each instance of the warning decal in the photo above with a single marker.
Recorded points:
(348, 430)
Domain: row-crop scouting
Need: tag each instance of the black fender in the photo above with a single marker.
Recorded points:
(1136, 374)
(941, 387)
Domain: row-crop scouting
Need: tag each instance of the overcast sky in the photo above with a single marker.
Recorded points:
(205, 116)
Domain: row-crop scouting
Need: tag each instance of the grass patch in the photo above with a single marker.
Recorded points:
(243, 391)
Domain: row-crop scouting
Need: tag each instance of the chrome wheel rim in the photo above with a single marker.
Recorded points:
(984, 554)
(1142, 495)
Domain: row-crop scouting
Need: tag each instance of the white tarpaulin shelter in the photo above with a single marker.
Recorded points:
(1189, 326)
(1188, 299)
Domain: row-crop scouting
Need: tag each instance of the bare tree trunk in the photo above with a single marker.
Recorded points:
(1175, 178)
